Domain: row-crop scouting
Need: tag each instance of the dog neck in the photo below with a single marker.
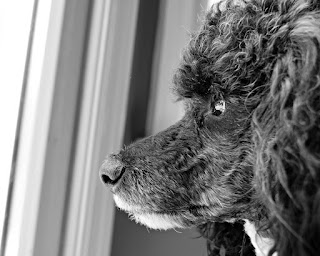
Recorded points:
(261, 244)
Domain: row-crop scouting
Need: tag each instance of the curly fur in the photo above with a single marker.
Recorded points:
(259, 160)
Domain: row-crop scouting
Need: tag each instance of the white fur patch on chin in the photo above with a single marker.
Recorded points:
(262, 245)
(123, 205)
(151, 220)
(157, 221)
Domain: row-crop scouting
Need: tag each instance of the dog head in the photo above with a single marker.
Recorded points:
(248, 145)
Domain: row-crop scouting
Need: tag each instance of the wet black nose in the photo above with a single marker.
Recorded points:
(111, 171)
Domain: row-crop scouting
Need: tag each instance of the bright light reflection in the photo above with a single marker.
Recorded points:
(15, 22)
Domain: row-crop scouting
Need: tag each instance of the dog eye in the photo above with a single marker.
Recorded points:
(219, 108)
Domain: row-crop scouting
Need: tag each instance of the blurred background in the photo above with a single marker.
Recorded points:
(79, 79)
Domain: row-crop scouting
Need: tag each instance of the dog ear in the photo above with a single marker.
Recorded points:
(286, 127)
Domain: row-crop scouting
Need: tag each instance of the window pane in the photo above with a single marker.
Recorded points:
(15, 24)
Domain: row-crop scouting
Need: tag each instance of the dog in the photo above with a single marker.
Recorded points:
(245, 158)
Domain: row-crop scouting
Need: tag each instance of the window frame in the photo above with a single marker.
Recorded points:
(74, 117)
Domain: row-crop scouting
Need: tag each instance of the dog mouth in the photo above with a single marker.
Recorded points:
(160, 220)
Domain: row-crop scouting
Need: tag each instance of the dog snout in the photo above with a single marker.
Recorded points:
(111, 171)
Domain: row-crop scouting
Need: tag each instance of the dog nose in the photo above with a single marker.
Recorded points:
(111, 171)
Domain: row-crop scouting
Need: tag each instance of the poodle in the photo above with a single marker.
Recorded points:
(243, 164)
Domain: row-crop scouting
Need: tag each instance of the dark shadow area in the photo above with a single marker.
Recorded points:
(141, 70)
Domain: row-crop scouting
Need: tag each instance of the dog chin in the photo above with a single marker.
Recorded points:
(159, 221)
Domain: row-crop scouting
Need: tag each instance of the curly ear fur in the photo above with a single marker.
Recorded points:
(287, 132)
(227, 239)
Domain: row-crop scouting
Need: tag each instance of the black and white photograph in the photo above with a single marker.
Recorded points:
(160, 127)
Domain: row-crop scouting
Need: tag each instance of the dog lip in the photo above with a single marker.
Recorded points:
(138, 208)
(141, 210)
(115, 187)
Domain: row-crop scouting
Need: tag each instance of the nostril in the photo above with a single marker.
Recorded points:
(109, 177)
(105, 179)
(111, 170)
